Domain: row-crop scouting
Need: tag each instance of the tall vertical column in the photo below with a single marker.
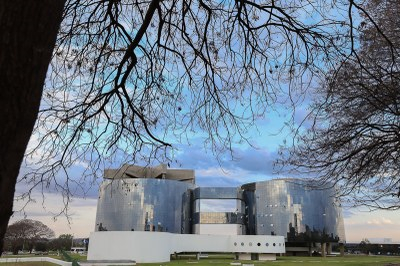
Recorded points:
(341, 248)
(323, 249)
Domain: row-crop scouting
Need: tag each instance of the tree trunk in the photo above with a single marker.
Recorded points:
(28, 31)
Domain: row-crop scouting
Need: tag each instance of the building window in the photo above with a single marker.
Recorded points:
(235, 244)
(274, 244)
(242, 244)
(258, 244)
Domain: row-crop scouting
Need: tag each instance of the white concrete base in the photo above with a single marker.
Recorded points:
(244, 256)
(266, 257)
(147, 247)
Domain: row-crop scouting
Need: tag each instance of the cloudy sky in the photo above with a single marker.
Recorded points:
(248, 165)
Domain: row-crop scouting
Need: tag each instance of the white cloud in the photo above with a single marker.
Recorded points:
(212, 172)
(376, 224)
(381, 221)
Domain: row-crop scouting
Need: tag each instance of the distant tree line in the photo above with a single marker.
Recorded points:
(366, 247)
(30, 235)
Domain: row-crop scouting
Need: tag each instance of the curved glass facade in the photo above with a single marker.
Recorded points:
(285, 207)
(289, 208)
(143, 204)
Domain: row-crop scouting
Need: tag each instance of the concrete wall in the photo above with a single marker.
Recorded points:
(147, 247)
(218, 229)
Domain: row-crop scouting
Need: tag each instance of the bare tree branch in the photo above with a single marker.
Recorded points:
(355, 138)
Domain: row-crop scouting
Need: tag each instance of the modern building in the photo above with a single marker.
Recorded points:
(304, 215)
(280, 215)
(144, 199)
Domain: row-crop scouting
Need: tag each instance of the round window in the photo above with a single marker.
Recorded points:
(258, 244)
(274, 244)
(242, 244)
(267, 244)
(235, 244)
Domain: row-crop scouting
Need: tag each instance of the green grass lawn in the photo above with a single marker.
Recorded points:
(76, 256)
(292, 261)
(281, 261)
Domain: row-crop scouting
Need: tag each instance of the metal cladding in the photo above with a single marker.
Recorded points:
(141, 204)
(167, 203)
(290, 208)
(158, 172)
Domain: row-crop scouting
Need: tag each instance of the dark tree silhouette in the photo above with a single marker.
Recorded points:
(129, 80)
(63, 242)
(26, 233)
(28, 33)
(355, 140)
